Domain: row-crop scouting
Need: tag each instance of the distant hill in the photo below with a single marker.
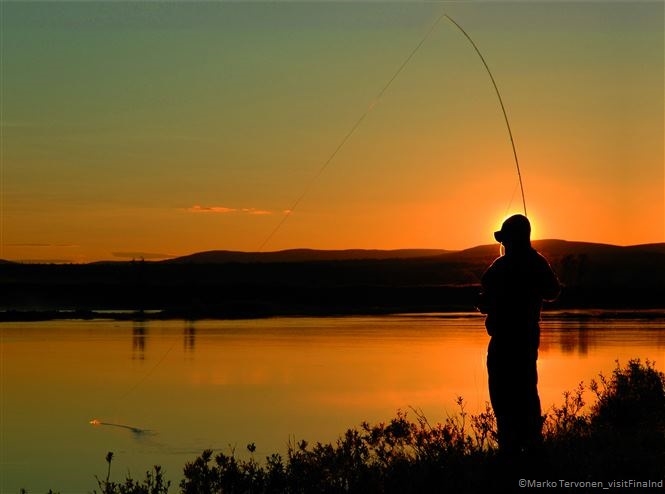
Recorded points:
(302, 255)
(564, 247)
(557, 248)
(550, 248)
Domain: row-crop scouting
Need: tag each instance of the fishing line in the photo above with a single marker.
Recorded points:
(375, 102)
(149, 373)
(510, 203)
(136, 430)
(353, 129)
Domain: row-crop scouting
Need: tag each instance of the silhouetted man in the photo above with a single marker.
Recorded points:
(513, 289)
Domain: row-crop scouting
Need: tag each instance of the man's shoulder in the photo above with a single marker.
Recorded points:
(531, 257)
(497, 263)
(538, 257)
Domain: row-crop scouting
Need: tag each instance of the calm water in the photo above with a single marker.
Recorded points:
(224, 384)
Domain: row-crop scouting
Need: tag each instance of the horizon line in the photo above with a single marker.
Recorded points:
(154, 258)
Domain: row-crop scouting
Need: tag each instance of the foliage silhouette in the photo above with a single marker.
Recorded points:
(154, 482)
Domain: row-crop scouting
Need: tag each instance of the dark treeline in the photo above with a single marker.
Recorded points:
(596, 277)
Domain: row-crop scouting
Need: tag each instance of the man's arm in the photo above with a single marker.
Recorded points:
(485, 301)
(550, 286)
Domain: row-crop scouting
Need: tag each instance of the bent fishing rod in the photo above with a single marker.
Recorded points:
(503, 108)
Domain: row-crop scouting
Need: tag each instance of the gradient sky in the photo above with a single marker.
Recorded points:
(157, 129)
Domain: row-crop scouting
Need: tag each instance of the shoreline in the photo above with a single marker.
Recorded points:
(19, 315)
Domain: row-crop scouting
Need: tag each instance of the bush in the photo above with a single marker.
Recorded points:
(633, 398)
(154, 482)
(398, 456)
(623, 435)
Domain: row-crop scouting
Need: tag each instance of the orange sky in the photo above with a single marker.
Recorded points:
(155, 130)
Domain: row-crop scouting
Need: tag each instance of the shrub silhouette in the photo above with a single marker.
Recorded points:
(633, 398)
(623, 435)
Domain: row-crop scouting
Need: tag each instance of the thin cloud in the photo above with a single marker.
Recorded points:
(225, 210)
(37, 244)
(254, 211)
(45, 261)
(210, 209)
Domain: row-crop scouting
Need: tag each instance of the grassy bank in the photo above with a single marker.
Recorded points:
(620, 437)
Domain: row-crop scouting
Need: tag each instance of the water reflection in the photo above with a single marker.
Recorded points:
(575, 338)
(140, 339)
(189, 338)
(586, 337)
(139, 336)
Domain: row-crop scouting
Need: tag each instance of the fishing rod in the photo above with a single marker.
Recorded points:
(375, 102)
(503, 108)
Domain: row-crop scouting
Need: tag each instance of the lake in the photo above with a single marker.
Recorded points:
(174, 388)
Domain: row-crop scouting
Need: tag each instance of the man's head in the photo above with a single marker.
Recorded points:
(516, 230)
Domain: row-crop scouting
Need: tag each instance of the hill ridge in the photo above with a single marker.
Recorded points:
(554, 247)
(548, 247)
